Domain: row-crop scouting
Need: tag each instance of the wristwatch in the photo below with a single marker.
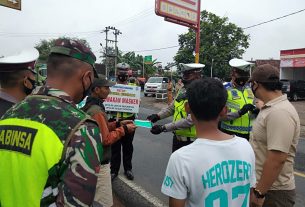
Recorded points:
(258, 194)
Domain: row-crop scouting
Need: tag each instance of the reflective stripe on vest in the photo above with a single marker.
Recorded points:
(236, 100)
(28, 149)
(180, 113)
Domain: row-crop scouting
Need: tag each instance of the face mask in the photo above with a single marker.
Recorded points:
(86, 91)
(27, 90)
(241, 81)
(122, 78)
(253, 90)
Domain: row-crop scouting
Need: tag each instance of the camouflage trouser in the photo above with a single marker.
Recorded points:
(280, 198)
(103, 194)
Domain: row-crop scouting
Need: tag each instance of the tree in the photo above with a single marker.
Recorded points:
(220, 41)
(44, 47)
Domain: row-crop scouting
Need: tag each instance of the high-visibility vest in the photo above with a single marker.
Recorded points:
(180, 113)
(236, 100)
(31, 147)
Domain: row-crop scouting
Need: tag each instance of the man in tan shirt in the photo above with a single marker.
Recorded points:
(274, 139)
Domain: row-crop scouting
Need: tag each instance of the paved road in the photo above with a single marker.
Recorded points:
(151, 154)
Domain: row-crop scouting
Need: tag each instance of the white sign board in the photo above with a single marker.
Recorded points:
(181, 10)
(123, 98)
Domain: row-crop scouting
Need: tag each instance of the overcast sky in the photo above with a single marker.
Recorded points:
(142, 29)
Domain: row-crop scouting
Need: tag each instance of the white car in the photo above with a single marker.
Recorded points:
(155, 84)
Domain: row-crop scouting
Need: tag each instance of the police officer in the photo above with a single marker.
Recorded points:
(17, 77)
(124, 144)
(50, 151)
(182, 125)
(240, 100)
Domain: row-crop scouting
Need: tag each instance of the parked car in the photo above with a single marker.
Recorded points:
(295, 89)
(155, 84)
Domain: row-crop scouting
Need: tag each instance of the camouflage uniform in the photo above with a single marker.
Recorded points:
(75, 177)
(73, 180)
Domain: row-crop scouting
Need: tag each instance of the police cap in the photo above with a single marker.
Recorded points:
(100, 82)
(240, 64)
(190, 67)
(23, 60)
(75, 49)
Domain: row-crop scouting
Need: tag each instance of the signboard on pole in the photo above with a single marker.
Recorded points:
(14, 4)
(148, 59)
(123, 98)
(185, 11)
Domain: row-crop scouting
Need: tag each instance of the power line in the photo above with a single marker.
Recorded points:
(162, 48)
(287, 15)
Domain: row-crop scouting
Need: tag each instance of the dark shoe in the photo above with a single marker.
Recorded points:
(129, 175)
(113, 176)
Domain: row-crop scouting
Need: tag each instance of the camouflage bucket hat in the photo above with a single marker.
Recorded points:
(75, 49)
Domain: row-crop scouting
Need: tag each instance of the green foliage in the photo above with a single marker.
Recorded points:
(220, 40)
(44, 47)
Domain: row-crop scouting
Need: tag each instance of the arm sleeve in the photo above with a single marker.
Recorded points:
(230, 116)
(280, 138)
(173, 184)
(109, 137)
(167, 112)
(181, 124)
(82, 158)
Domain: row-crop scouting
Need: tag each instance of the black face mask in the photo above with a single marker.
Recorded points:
(86, 91)
(122, 78)
(241, 81)
(254, 90)
(27, 90)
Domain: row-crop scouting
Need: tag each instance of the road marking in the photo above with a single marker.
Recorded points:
(152, 199)
(300, 174)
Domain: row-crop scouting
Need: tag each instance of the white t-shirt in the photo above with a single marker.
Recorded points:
(211, 173)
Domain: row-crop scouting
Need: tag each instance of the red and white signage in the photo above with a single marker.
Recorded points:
(123, 98)
(293, 58)
(186, 11)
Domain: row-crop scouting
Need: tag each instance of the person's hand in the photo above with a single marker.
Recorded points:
(157, 129)
(254, 201)
(153, 118)
(130, 127)
(245, 109)
(125, 122)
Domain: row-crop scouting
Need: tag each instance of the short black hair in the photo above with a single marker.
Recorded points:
(206, 98)
(272, 86)
(62, 65)
(10, 79)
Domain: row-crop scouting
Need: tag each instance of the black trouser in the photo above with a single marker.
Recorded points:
(125, 144)
(178, 144)
(246, 136)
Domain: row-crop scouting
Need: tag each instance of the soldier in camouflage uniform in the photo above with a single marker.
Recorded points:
(50, 151)
(17, 77)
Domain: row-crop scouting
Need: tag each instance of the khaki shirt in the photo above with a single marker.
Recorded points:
(277, 127)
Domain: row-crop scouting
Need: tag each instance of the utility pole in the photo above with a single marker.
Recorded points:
(107, 55)
(116, 33)
(106, 51)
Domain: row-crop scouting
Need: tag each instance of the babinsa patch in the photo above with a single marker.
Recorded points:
(17, 138)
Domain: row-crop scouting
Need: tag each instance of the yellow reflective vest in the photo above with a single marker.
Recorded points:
(236, 100)
(180, 113)
(29, 147)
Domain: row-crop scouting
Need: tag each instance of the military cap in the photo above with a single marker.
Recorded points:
(24, 60)
(240, 64)
(100, 82)
(191, 66)
(266, 74)
(75, 49)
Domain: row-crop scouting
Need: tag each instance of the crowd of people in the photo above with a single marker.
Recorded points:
(233, 144)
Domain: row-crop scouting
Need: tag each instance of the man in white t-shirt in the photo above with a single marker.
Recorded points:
(217, 169)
